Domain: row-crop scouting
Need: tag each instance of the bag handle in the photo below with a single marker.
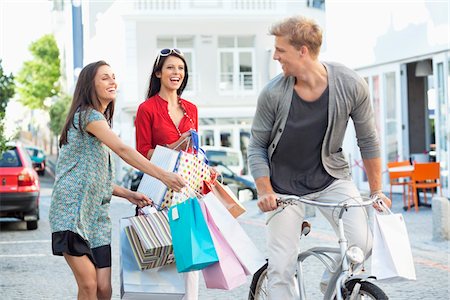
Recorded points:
(384, 208)
(213, 180)
(188, 139)
(193, 192)
(141, 212)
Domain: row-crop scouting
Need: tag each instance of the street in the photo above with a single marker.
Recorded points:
(30, 271)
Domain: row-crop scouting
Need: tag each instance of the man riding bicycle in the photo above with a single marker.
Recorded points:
(296, 146)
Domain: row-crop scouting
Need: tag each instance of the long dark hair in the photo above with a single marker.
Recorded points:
(85, 99)
(155, 82)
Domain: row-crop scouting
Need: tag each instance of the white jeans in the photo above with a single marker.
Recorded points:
(191, 285)
(284, 235)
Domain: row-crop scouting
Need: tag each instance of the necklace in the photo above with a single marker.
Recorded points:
(185, 114)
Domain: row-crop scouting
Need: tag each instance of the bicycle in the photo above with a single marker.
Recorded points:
(344, 283)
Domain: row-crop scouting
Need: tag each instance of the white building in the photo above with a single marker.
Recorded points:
(226, 44)
(230, 59)
(402, 49)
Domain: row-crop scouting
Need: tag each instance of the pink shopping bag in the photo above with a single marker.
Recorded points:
(228, 272)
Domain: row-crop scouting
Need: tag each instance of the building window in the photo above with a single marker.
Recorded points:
(236, 64)
(186, 45)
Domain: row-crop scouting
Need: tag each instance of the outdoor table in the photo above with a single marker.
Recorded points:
(407, 171)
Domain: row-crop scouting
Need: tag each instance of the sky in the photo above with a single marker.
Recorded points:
(21, 23)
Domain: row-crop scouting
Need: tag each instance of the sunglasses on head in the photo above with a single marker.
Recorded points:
(167, 52)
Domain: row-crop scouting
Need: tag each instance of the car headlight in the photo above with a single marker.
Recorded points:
(355, 255)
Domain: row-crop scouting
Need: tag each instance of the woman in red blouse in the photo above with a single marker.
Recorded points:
(165, 119)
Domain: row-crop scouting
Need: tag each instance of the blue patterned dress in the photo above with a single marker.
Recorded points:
(83, 187)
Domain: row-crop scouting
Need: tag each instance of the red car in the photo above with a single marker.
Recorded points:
(19, 186)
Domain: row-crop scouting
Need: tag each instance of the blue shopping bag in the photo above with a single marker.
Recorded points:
(192, 243)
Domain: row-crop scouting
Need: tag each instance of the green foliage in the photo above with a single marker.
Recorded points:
(6, 92)
(3, 139)
(38, 78)
(6, 88)
(58, 113)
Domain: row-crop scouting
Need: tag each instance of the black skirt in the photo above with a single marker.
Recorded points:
(73, 244)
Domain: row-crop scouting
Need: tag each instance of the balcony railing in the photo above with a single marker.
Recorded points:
(245, 83)
(157, 4)
(206, 6)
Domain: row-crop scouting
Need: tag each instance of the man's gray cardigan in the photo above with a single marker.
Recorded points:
(348, 97)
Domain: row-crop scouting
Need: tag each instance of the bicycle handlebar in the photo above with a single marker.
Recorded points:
(287, 200)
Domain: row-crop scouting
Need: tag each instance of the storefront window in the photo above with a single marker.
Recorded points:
(226, 138)
(390, 133)
(443, 124)
(207, 138)
(376, 101)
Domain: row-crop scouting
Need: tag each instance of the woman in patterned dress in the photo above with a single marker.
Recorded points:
(166, 119)
(79, 211)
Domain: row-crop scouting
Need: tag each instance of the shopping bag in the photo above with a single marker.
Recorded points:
(166, 159)
(192, 242)
(243, 247)
(157, 283)
(228, 273)
(227, 198)
(194, 171)
(150, 239)
(391, 253)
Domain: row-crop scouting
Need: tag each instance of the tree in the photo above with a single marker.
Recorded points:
(58, 113)
(6, 92)
(39, 78)
(6, 88)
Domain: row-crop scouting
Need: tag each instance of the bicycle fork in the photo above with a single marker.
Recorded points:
(338, 269)
(343, 245)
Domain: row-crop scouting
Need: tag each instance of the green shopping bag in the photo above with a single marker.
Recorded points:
(192, 243)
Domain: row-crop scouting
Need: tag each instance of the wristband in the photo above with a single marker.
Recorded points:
(377, 192)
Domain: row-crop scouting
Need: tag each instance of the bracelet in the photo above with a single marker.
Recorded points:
(377, 192)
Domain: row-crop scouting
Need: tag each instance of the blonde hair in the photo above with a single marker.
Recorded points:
(300, 31)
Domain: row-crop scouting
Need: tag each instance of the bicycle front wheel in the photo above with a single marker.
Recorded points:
(367, 291)
(258, 288)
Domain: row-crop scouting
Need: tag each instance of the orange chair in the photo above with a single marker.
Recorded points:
(425, 176)
(399, 178)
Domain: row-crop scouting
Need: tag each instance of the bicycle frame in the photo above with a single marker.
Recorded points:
(341, 269)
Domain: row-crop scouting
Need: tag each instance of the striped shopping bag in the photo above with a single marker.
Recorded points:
(150, 238)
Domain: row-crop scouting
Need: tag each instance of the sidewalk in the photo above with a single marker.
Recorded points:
(420, 226)
(431, 258)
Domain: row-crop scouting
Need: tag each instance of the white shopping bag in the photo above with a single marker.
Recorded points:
(243, 247)
(163, 283)
(391, 253)
(166, 159)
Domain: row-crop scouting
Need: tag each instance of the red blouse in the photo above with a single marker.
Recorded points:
(155, 127)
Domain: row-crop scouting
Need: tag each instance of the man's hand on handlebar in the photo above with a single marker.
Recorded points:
(381, 197)
(267, 202)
